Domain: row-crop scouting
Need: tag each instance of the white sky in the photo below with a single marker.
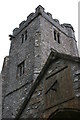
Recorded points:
(12, 12)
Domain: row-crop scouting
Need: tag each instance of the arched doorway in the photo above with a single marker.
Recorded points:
(65, 114)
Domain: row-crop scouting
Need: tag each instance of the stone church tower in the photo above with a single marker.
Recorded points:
(38, 39)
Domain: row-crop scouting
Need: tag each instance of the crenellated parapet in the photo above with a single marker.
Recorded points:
(42, 65)
(64, 28)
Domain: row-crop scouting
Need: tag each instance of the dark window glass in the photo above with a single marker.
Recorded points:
(21, 69)
(22, 37)
(58, 37)
(54, 35)
(26, 35)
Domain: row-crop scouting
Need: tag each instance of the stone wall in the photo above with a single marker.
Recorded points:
(0, 96)
(67, 44)
(34, 51)
(18, 87)
(46, 99)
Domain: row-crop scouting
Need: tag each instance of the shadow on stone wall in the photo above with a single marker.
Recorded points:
(0, 95)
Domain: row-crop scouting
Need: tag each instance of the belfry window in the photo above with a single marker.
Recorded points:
(57, 36)
(24, 36)
(54, 35)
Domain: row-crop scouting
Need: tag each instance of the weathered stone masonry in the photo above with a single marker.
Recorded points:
(66, 92)
(31, 46)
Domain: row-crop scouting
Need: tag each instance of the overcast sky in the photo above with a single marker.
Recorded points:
(12, 12)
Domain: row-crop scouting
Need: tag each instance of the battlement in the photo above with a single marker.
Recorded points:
(64, 28)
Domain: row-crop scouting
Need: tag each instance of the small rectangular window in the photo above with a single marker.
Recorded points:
(26, 35)
(22, 37)
(58, 37)
(21, 69)
(54, 35)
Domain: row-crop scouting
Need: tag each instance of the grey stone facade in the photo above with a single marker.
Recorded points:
(45, 101)
(34, 51)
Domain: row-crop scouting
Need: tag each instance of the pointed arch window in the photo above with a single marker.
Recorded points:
(57, 36)
(24, 36)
